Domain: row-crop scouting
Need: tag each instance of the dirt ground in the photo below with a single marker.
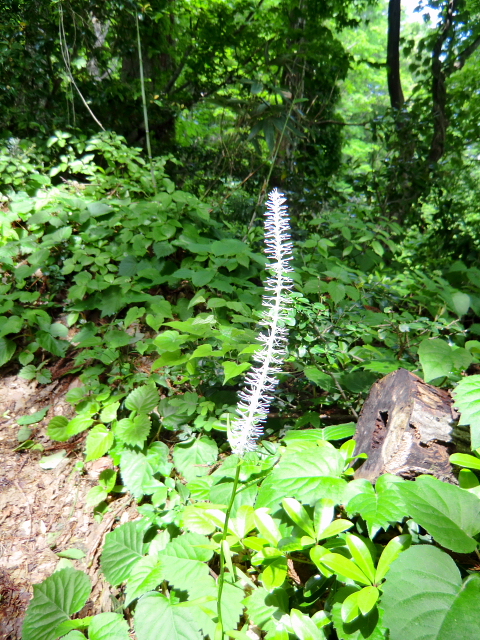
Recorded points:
(43, 512)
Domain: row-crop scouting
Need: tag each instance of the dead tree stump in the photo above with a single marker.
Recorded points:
(407, 428)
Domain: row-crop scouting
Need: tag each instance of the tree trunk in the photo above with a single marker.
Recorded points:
(393, 55)
(407, 428)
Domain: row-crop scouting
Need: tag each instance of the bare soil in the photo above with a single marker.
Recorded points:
(43, 512)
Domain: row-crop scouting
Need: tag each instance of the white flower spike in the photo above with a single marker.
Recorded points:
(261, 380)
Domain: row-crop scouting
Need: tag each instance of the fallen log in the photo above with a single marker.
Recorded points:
(408, 428)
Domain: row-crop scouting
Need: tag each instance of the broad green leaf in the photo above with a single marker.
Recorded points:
(316, 477)
(77, 425)
(265, 609)
(69, 625)
(7, 350)
(361, 555)
(95, 496)
(232, 369)
(467, 479)
(109, 413)
(57, 429)
(436, 358)
(169, 341)
(33, 418)
(274, 573)
(336, 291)
(157, 619)
(304, 627)
(108, 626)
(424, 597)
(133, 314)
(467, 401)
(232, 605)
(368, 627)
(266, 526)
(464, 460)
(320, 378)
(378, 507)
(460, 303)
(299, 516)
(54, 600)
(50, 344)
(450, 514)
(391, 552)
(198, 520)
(146, 575)
(137, 473)
(184, 562)
(193, 458)
(115, 339)
(334, 528)
(323, 513)
(350, 609)
(344, 567)
(123, 548)
(367, 598)
(133, 431)
(107, 479)
(143, 399)
(99, 441)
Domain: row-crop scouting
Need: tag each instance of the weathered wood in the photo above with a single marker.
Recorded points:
(407, 428)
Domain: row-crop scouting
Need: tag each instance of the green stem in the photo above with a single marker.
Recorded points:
(144, 102)
(221, 577)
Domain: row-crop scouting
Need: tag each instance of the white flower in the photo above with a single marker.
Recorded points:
(261, 381)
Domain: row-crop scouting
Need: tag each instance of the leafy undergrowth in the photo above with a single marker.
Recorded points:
(152, 299)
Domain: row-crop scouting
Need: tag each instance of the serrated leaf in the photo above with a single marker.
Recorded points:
(145, 575)
(133, 431)
(99, 441)
(467, 401)
(378, 507)
(137, 473)
(192, 459)
(317, 476)
(7, 350)
(54, 600)
(109, 413)
(143, 399)
(50, 344)
(123, 548)
(57, 429)
(108, 626)
(424, 597)
(265, 609)
(184, 562)
(436, 358)
(157, 619)
(450, 514)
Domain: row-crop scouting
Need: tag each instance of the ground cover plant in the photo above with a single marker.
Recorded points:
(227, 411)
(306, 551)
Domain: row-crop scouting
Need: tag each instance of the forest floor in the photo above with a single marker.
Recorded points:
(44, 511)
